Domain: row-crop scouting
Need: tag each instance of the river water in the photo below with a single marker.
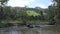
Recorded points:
(26, 30)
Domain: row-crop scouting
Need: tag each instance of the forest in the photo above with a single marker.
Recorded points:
(29, 16)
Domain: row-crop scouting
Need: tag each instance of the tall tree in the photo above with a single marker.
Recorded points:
(58, 10)
(1, 8)
(42, 16)
(4, 1)
(55, 12)
(51, 15)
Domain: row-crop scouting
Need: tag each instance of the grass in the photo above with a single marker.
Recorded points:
(32, 13)
(33, 22)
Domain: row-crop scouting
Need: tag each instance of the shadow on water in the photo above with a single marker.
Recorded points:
(26, 30)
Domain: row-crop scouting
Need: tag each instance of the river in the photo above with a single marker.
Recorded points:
(26, 30)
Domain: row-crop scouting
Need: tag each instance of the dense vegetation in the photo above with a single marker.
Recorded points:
(23, 16)
(54, 12)
(29, 16)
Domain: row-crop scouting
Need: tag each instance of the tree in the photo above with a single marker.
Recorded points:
(51, 15)
(54, 12)
(57, 4)
(4, 2)
(1, 10)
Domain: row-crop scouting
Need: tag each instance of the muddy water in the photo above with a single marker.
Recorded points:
(25, 30)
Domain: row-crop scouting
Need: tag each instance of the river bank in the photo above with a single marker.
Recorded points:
(47, 29)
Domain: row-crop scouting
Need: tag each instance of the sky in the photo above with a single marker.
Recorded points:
(29, 3)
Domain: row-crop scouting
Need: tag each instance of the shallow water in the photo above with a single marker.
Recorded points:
(25, 30)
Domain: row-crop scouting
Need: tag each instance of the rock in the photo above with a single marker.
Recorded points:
(37, 26)
(30, 26)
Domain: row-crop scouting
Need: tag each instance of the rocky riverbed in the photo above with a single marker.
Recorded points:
(44, 29)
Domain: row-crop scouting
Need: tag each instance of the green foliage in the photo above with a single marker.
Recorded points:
(36, 22)
(21, 13)
(4, 1)
(2, 13)
(33, 22)
(7, 10)
(32, 13)
(54, 12)
(23, 16)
